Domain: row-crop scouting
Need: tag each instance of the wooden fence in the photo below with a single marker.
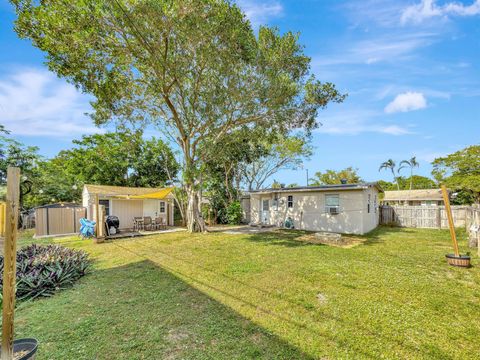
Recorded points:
(58, 220)
(473, 228)
(430, 217)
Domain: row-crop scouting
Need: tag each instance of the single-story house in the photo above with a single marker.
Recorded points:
(129, 202)
(423, 197)
(342, 208)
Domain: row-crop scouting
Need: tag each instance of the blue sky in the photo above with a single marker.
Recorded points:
(411, 69)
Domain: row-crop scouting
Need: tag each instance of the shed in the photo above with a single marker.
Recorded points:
(58, 219)
(129, 202)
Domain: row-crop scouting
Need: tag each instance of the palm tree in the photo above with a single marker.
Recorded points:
(390, 164)
(412, 163)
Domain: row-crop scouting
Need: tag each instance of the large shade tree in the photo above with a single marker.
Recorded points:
(115, 158)
(193, 68)
(332, 177)
(279, 153)
(460, 171)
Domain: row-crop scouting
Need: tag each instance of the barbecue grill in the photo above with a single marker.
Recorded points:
(113, 221)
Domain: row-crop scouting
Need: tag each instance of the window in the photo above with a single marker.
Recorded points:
(332, 203)
(265, 205)
(162, 207)
(369, 197)
(105, 203)
(275, 204)
(290, 201)
(375, 204)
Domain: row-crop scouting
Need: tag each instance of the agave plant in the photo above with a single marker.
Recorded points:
(42, 270)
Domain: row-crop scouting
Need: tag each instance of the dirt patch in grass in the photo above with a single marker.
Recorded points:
(346, 241)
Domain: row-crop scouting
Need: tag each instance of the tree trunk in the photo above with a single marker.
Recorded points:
(195, 221)
(396, 180)
(411, 178)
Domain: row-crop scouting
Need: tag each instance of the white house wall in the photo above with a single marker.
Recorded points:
(370, 219)
(308, 212)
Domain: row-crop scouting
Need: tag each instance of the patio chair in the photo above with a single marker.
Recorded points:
(138, 223)
(157, 224)
(163, 223)
(147, 223)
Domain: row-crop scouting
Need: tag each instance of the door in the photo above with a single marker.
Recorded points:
(265, 211)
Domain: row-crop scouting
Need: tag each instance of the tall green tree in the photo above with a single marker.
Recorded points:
(119, 158)
(279, 153)
(114, 158)
(193, 68)
(390, 165)
(14, 153)
(460, 171)
(332, 177)
(221, 178)
(411, 164)
(419, 182)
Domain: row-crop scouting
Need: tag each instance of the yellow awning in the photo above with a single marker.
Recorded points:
(162, 194)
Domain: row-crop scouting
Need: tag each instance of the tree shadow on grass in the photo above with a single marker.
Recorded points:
(143, 311)
(282, 237)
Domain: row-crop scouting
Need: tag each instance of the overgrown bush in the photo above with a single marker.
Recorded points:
(234, 213)
(42, 270)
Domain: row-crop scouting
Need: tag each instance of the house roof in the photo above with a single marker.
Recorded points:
(124, 191)
(336, 187)
(423, 194)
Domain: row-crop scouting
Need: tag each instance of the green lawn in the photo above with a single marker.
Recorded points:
(220, 296)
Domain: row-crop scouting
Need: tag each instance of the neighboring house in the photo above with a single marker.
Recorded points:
(343, 208)
(130, 202)
(424, 197)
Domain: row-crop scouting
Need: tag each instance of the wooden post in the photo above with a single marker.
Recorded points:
(448, 210)
(96, 213)
(439, 217)
(10, 260)
(101, 222)
(2, 219)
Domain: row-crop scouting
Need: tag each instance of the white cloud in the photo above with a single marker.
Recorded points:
(393, 130)
(428, 9)
(408, 101)
(390, 48)
(357, 121)
(259, 12)
(35, 102)
(391, 89)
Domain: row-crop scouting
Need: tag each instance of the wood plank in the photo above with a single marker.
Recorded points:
(10, 260)
(450, 219)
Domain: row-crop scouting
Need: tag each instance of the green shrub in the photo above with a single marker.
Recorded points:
(42, 270)
(234, 213)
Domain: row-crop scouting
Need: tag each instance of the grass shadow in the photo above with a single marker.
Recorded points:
(140, 310)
